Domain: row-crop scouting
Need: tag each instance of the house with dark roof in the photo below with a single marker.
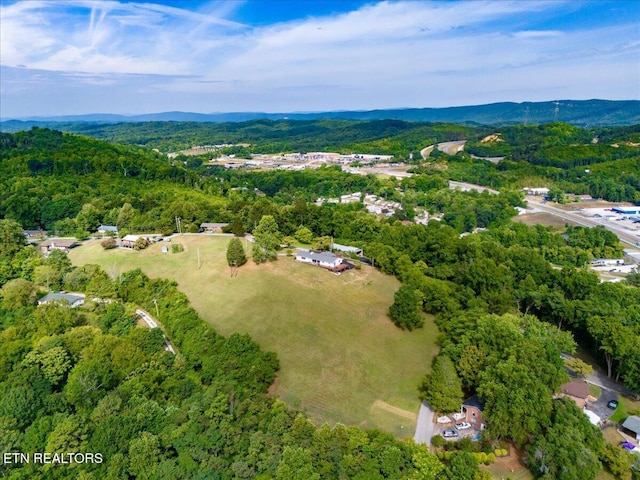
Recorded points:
(631, 426)
(472, 409)
(576, 390)
(58, 244)
(61, 298)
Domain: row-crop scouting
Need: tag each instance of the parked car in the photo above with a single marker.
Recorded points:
(613, 404)
(463, 426)
(449, 433)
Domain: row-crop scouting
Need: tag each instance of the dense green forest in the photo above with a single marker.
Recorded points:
(601, 161)
(88, 380)
(508, 301)
(390, 137)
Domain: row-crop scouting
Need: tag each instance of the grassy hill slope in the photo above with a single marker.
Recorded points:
(342, 360)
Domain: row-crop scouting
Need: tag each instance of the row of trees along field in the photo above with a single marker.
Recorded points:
(89, 380)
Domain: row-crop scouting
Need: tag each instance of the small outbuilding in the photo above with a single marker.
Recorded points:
(632, 426)
(70, 299)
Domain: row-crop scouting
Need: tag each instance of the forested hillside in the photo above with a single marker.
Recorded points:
(88, 380)
(508, 300)
(604, 163)
(268, 136)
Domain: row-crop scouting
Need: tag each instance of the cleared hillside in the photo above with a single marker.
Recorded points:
(342, 360)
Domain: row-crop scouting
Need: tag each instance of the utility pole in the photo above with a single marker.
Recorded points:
(179, 225)
(155, 301)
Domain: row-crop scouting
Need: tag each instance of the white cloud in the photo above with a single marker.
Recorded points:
(388, 54)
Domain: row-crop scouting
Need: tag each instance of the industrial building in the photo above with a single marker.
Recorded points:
(627, 210)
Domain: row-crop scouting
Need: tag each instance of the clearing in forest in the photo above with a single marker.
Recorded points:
(339, 352)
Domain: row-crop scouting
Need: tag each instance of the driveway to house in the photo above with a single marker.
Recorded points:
(149, 320)
(599, 407)
(425, 425)
(600, 379)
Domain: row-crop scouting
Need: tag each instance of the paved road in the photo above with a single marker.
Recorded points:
(451, 148)
(426, 151)
(470, 186)
(425, 425)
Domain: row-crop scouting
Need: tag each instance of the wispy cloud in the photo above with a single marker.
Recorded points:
(387, 54)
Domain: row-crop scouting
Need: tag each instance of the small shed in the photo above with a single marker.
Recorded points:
(632, 426)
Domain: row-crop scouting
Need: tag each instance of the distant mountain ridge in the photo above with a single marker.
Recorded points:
(584, 113)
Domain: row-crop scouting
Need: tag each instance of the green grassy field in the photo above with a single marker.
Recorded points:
(342, 360)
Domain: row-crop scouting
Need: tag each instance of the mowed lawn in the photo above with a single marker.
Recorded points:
(342, 360)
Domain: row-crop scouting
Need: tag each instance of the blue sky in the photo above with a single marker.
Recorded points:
(62, 57)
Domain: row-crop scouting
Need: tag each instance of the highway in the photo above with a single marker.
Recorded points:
(623, 234)
(451, 148)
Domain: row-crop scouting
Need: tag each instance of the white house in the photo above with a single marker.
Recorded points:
(320, 259)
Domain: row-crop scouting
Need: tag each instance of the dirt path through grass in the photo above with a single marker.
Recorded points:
(394, 410)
